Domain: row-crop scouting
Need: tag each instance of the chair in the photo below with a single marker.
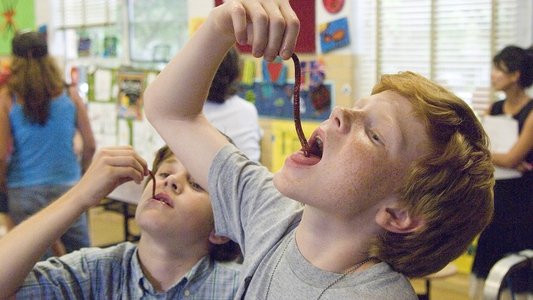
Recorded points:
(501, 274)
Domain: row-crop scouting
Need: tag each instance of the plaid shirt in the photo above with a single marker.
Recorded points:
(115, 273)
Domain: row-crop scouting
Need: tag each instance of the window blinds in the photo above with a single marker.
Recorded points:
(449, 41)
(73, 14)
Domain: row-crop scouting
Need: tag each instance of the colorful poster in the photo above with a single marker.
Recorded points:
(129, 100)
(276, 100)
(16, 15)
(334, 35)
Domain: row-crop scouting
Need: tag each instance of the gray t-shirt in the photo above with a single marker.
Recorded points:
(252, 212)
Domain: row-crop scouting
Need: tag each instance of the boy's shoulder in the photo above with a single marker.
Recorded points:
(116, 254)
(231, 266)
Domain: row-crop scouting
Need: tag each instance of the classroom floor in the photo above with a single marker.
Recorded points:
(107, 227)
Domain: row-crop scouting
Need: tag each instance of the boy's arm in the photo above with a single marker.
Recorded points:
(22, 247)
(174, 100)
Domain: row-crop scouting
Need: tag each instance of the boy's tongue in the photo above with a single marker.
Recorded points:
(300, 158)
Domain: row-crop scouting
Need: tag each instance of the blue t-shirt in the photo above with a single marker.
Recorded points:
(44, 154)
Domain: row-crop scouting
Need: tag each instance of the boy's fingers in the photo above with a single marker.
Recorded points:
(292, 29)
(271, 27)
(118, 174)
(112, 157)
(258, 32)
(238, 18)
(276, 30)
(127, 161)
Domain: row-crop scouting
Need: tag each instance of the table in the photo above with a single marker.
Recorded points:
(124, 200)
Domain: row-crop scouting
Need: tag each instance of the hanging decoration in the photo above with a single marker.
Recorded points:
(8, 12)
(333, 6)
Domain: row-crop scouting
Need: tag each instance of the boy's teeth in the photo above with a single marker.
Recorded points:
(320, 145)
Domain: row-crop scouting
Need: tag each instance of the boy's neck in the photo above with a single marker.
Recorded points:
(334, 245)
(165, 267)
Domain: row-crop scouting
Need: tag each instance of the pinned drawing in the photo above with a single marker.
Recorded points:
(334, 35)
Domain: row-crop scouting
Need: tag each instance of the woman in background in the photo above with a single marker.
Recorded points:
(231, 114)
(511, 229)
(39, 117)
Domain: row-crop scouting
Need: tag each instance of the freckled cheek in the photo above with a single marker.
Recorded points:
(375, 177)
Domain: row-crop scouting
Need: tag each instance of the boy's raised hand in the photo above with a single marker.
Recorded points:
(110, 168)
(270, 26)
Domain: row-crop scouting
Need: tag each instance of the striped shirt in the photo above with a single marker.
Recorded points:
(115, 273)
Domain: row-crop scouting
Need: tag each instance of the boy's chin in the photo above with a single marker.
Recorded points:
(283, 185)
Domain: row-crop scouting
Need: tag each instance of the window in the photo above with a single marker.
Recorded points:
(449, 41)
(84, 27)
(158, 29)
(85, 13)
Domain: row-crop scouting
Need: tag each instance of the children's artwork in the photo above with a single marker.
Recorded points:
(333, 6)
(275, 72)
(276, 100)
(110, 46)
(129, 100)
(102, 85)
(15, 15)
(334, 35)
(312, 74)
(248, 72)
(9, 12)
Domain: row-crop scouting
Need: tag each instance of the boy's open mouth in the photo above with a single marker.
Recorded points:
(164, 198)
(316, 146)
(315, 152)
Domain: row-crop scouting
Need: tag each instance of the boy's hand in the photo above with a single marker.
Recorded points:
(270, 26)
(110, 168)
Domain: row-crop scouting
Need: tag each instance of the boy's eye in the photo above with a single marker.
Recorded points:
(375, 137)
(163, 175)
(196, 186)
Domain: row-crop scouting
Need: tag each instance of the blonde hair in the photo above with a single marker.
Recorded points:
(37, 81)
(451, 188)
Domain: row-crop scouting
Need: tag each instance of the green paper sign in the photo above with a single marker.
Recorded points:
(15, 15)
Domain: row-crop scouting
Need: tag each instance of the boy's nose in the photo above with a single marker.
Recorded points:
(341, 118)
(172, 183)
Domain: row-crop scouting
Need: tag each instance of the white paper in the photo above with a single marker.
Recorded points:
(124, 132)
(503, 134)
(103, 122)
(146, 140)
(102, 85)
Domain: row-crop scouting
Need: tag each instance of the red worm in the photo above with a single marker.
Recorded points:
(297, 121)
(153, 182)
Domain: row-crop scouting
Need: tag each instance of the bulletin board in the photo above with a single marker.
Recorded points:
(15, 15)
(276, 100)
(116, 112)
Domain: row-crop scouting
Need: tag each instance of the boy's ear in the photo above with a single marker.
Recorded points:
(217, 239)
(398, 220)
